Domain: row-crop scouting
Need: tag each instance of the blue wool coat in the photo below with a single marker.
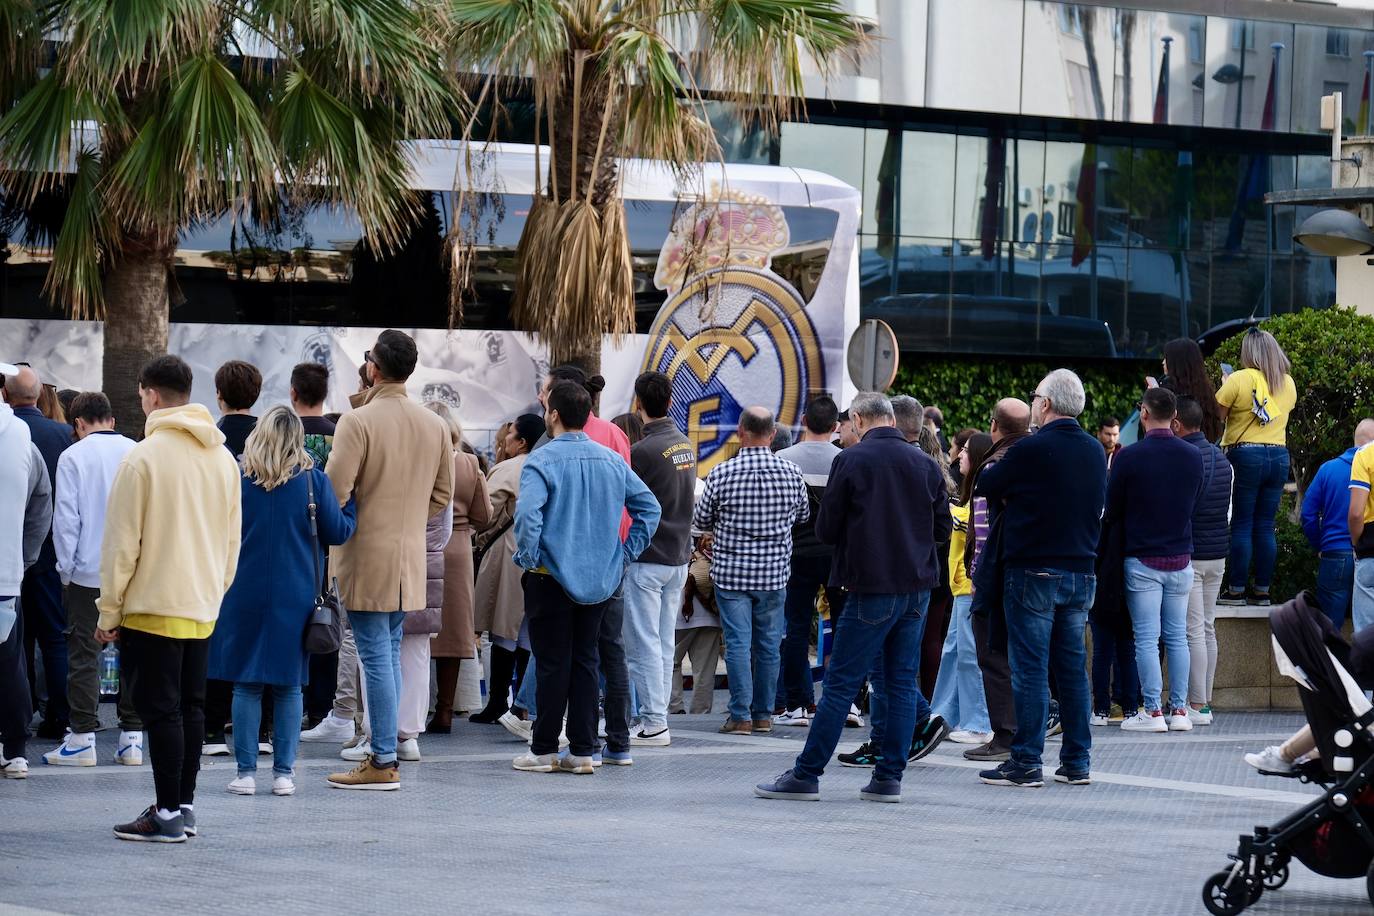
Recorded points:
(258, 637)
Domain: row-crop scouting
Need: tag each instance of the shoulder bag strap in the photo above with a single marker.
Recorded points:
(314, 530)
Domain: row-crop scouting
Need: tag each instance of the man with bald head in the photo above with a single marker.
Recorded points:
(748, 507)
(1325, 506)
(41, 596)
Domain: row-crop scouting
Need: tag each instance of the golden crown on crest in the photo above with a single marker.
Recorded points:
(727, 229)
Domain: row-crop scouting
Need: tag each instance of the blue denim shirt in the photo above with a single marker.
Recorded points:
(567, 517)
(1325, 504)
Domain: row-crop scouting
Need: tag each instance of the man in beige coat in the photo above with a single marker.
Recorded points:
(394, 456)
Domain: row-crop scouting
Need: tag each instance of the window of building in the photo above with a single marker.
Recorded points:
(1195, 43)
(1338, 42)
(1242, 32)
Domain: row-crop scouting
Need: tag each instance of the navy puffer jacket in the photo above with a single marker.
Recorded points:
(1212, 514)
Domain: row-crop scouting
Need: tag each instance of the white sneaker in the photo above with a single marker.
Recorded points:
(964, 736)
(1201, 716)
(1099, 718)
(264, 749)
(536, 763)
(855, 718)
(408, 750)
(357, 753)
(218, 749)
(1145, 721)
(1269, 760)
(244, 785)
(798, 717)
(283, 785)
(14, 768)
(330, 728)
(642, 737)
(129, 751)
(601, 728)
(76, 750)
(1179, 721)
(520, 728)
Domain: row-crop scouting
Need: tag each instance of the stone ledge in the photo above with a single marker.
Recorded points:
(1246, 612)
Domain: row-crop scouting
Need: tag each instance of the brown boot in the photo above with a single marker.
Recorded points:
(737, 727)
(446, 674)
(369, 775)
(763, 726)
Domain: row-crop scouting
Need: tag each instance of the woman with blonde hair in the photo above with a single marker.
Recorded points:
(471, 510)
(289, 515)
(1258, 399)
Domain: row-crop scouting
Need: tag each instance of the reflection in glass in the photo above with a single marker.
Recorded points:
(854, 155)
(927, 204)
(1329, 60)
(973, 55)
(1158, 55)
(1247, 83)
(1066, 68)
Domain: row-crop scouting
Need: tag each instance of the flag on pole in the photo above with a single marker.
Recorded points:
(1254, 179)
(991, 220)
(1162, 91)
(1363, 117)
(1085, 211)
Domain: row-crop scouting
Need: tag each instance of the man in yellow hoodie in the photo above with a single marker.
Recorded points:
(170, 552)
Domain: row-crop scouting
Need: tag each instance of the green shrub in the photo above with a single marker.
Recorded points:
(1296, 568)
(965, 388)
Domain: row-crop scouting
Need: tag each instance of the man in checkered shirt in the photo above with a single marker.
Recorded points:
(749, 506)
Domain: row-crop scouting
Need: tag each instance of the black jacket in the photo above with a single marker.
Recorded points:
(1211, 514)
(667, 463)
(885, 510)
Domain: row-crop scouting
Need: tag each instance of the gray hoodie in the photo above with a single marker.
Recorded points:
(25, 501)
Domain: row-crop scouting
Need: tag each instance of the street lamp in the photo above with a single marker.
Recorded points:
(1338, 233)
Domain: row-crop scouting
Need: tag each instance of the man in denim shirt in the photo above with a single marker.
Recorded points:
(567, 534)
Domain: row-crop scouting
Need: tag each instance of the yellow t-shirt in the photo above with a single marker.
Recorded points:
(170, 627)
(959, 582)
(1237, 395)
(1361, 475)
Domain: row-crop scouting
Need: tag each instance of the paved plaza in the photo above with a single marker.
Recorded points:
(679, 832)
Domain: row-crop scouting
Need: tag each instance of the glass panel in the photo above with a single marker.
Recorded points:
(27, 233)
(973, 55)
(974, 214)
(1067, 57)
(1328, 60)
(907, 286)
(1158, 302)
(1238, 286)
(830, 148)
(1241, 85)
(1158, 55)
(1228, 212)
(1314, 280)
(927, 183)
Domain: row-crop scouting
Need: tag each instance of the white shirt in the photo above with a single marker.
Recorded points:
(85, 472)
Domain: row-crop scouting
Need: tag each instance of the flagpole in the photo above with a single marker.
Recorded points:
(1164, 78)
(1268, 184)
(1369, 81)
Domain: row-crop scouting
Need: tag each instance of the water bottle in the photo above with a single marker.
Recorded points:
(109, 670)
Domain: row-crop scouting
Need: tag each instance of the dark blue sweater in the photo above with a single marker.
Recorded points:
(1050, 487)
(1154, 489)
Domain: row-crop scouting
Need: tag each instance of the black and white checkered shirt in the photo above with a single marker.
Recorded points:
(749, 505)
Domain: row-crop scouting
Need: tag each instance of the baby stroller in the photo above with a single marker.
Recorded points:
(1332, 836)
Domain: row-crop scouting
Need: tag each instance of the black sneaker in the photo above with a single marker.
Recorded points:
(1229, 598)
(928, 736)
(865, 755)
(1007, 774)
(1053, 725)
(149, 828)
(991, 752)
(188, 819)
(1073, 779)
(1260, 599)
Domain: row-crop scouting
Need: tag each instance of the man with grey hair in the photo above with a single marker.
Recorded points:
(909, 416)
(1047, 495)
(748, 506)
(885, 510)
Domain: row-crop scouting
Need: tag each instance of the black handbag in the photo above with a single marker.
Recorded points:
(325, 628)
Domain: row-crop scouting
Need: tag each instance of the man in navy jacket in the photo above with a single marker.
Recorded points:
(1051, 488)
(884, 510)
(1325, 506)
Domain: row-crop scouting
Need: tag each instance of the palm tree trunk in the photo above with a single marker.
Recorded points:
(135, 328)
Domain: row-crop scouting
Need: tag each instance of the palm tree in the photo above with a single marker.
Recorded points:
(148, 117)
(612, 79)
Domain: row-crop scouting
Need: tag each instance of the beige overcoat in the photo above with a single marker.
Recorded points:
(500, 601)
(471, 510)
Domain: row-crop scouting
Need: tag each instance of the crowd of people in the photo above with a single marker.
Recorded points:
(946, 585)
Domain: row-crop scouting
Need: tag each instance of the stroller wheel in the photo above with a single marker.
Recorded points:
(1276, 878)
(1226, 894)
(1369, 883)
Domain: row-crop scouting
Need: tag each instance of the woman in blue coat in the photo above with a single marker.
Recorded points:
(259, 638)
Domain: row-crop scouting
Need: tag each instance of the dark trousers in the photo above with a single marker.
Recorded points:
(169, 694)
(83, 665)
(1115, 676)
(15, 708)
(933, 639)
(611, 652)
(45, 625)
(996, 683)
(563, 637)
(319, 693)
(808, 576)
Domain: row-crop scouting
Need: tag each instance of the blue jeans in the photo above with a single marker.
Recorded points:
(752, 622)
(1261, 471)
(877, 693)
(378, 635)
(958, 692)
(286, 731)
(1158, 601)
(1336, 583)
(1047, 610)
(879, 633)
(809, 574)
(525, 696)
(1362, 608)
(653, 596)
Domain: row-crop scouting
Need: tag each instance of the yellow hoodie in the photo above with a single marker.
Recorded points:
(172, 528)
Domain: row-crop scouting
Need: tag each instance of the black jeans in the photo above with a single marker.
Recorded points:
(563, 638)
(169, 695)
(809, 574)
(45, 626)
(611, 650)
(996, 682)
(319, 693)
(15, 708)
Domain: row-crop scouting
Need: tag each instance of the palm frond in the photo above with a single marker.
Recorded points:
(37, 134)
(507, 36)
(74, 279)
(21, 33)
(129, 42)
(659, 120)
(203, 149)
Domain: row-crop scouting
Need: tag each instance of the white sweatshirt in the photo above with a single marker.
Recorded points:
(25, 501)
(85, 472)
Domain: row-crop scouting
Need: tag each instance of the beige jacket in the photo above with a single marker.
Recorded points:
(172, 524)
(395, 458)
(499, 600)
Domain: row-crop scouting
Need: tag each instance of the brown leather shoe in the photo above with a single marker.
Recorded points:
(369, 775)
(763, 726)
(737, 727)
